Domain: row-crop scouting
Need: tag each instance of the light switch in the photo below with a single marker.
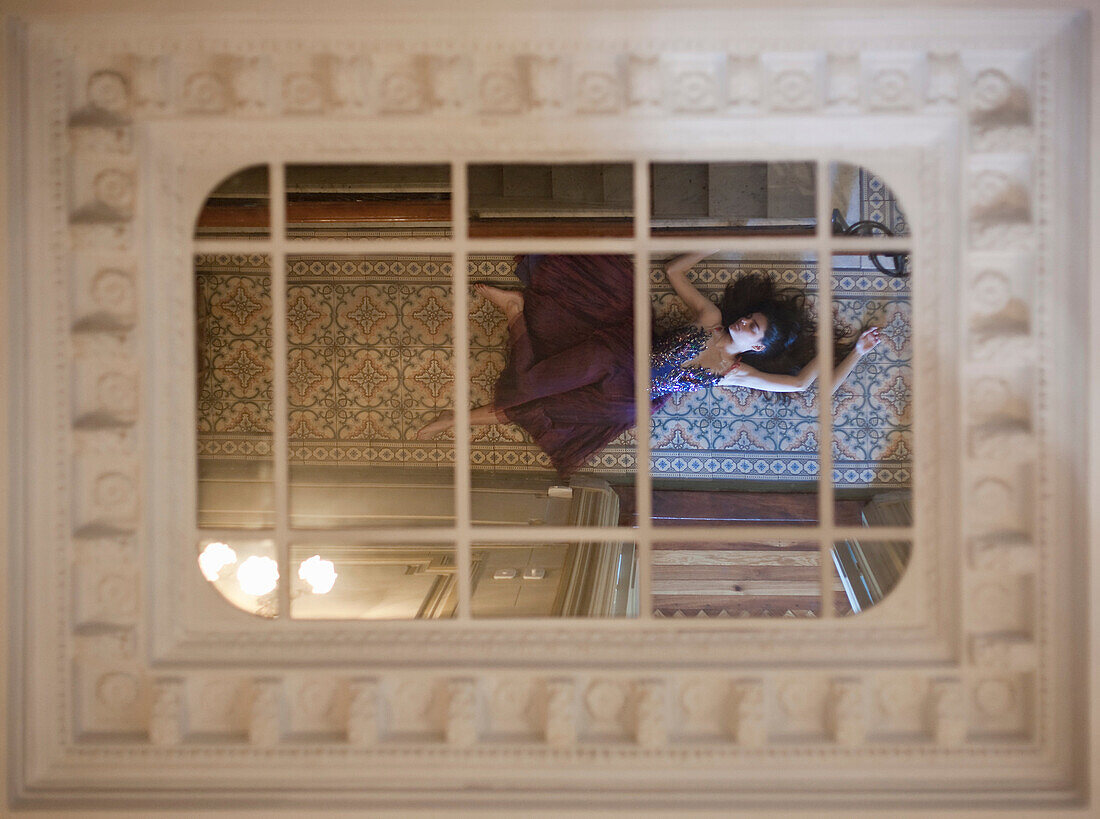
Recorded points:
(534, 574)
(504, 574)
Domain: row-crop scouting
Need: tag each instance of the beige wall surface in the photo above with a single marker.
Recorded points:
(11, 410)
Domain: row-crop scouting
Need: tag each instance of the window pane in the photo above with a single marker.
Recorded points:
(234, 383)
(725, 447)
(360, 582)
(552, 386)
(723, 198)
(238, 208)
(742, 579)
(369, 361)
(872, 408)
(554, 580)
(868, 571)
(863, 205)
(594, 199)
(368, 201)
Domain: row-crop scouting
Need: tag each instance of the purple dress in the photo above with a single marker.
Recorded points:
(569, 380)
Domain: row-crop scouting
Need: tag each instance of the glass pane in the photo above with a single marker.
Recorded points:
(377, 582)
(867, 572)
(723, 198)
(734, 432)
(554, 580)
(234, 383)
(238, 208)
(552, 387)
(872, 406)
(744, 579)
(370, 360)
(863, 205)
(594, 199)
(245, 572)
(368, 201)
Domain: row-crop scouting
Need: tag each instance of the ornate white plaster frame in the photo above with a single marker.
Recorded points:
(966, 680)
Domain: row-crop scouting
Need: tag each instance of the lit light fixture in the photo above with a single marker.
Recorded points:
(215, 557)
(319, 574)
(258, 575)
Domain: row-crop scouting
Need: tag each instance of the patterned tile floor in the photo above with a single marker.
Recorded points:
(370, 361)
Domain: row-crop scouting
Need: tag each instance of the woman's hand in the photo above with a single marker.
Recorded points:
(868, 340)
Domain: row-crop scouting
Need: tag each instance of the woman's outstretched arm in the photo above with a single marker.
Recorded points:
(746, 376)
(704, 311)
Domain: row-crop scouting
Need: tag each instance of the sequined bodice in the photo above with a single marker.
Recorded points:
(667, 375)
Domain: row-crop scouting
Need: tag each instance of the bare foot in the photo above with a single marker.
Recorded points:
(508, 302)
(441, 423)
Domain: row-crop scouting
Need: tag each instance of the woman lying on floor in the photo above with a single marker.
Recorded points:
(569, 380)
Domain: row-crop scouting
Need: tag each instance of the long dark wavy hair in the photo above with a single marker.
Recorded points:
(789, 340)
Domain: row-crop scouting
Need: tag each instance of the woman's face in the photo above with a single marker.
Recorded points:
(748, 333)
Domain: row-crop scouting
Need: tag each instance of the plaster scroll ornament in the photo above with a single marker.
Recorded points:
(695, 90)
(402, 88)
(598, 91)
(303, 93)
(115, 189)
(108, 91)
(206, 92)
(604, 700)
(500, 90)
(990, 90)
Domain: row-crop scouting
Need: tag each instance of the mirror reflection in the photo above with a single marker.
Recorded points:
(734, 434)
(868, 571)
(563, 199)
(244, 571)
(238, 208)
(368, 201)
(872, 409)
(732, 198)
(552, 380)
(741, 579)
(371, 370)
(863, 205)
(377, 582)
(554, 580)
(233, 390)
(370, 359)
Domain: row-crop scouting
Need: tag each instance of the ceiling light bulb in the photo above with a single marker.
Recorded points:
(215, 557)
(319, 574)
(258, 575)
